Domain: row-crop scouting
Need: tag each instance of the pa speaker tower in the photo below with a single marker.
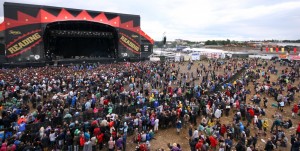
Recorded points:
(165, 40)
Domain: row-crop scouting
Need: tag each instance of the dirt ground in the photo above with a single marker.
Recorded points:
(165, 136)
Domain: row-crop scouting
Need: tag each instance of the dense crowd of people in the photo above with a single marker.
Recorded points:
(98, 106)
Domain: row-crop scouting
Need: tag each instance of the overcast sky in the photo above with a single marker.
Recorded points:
(200, 19)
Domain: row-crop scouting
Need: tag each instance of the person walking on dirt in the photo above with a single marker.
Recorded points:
(178, 126)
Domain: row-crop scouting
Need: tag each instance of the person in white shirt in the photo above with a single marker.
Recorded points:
(88, 146)
(195, 134)
(52, 138)
(136, 122)
(281, 105)
(218, 113)
(94, 142)
(222, 147)
(88, 105)
(156, 123)
(249, 148)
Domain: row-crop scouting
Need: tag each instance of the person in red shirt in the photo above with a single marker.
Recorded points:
(251, 112)
(223, 130)
(81, 140)
(298, 130)
(97, 131)
(178, 112)
(295, 110)
(143, 147)
(105, 102)
(100, 140)
(114, 134)
(237, 104)
(170, 90)
(122, 89)
(227, 92)
(213, 141)
(111, 124)
(199, 145)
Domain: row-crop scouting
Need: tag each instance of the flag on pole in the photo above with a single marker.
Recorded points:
(271, 49)
(277, 49)
(282, 49)
(295, 50)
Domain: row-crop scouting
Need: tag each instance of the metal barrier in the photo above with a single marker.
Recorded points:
(231, 79)
(123, 109)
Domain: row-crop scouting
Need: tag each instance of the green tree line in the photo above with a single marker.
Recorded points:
(218, 42)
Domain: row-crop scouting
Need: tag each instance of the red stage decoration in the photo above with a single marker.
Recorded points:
(295, 50)
(277, 49)
(64, 15)
(2, 26)
(267, 49)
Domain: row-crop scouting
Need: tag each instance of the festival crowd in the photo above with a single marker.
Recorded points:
(99, 106)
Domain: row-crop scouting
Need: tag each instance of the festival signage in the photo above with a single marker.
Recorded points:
(282, 56)
(134, 36)
(295, 57)
(14, 32)
(129, 43)
(23, 43)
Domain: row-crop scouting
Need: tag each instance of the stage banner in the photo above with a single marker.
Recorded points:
(277, 49)
(129, 44)
(271, 49)
(282, 49)
(24, 43)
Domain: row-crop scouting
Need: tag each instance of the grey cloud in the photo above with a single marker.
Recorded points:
(201, 19)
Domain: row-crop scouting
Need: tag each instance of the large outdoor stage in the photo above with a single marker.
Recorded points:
(35, 34)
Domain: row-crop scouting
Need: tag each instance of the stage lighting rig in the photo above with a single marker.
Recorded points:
(84, 34)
